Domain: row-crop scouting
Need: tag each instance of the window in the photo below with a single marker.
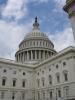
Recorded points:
(43, 81)
(14, 72)
(38, 95)
(23, 83)
(3, 81)
(13, 95)
(66, 91)
(49, 69)
(42, 72)
(40, 43)
(24, 73)
(4, 70)
(43, 95)
(57, 66)
(65, 75)
(23, 95)
(38, 82)
(50, 79)
(51, 95)
(38, 73)
(58, 78)
(59, 93)
(64, 63)
(14, 82)
(2, 94)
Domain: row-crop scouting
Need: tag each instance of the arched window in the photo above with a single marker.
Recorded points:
(38, 95)
(50, 80)
(59, 93)
(43, 81)
(44, 95)
(23, 95)
(58, 77)
(65, 73)
(38, 82)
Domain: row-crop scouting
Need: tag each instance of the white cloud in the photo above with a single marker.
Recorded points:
(10, 36)
(18, 8)
(14, 8)
(63, 39)
(60, 4)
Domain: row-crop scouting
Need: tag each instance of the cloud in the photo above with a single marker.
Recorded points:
(18, 9)
(63, 39)
(10, 36)
(15, 9)
(60, 4)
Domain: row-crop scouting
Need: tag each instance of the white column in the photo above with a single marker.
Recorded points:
(23, 56)
(44, 55)
(35, 55)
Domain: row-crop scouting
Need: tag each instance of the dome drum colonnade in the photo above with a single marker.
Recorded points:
(35, 47)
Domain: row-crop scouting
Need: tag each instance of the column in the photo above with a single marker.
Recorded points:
(35, 55)
(43, 55)
(23, 56)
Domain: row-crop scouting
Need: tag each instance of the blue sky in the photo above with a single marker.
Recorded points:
(17, 17)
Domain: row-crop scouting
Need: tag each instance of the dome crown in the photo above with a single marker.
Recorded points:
(36, 33)
(36, 24)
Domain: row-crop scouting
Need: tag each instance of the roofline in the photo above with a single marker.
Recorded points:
(59, 54)
(13, 62)
(31, 48)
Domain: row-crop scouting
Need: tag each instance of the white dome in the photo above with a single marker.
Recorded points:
(35, 46)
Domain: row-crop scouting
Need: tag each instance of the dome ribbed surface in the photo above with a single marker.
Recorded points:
(35, 46)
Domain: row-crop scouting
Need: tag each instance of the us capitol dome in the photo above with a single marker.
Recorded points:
(35, 47)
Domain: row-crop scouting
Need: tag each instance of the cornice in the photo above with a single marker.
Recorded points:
(68, 5)
(58, 55)
(36, 48)
(13, 62)
(55, 57)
